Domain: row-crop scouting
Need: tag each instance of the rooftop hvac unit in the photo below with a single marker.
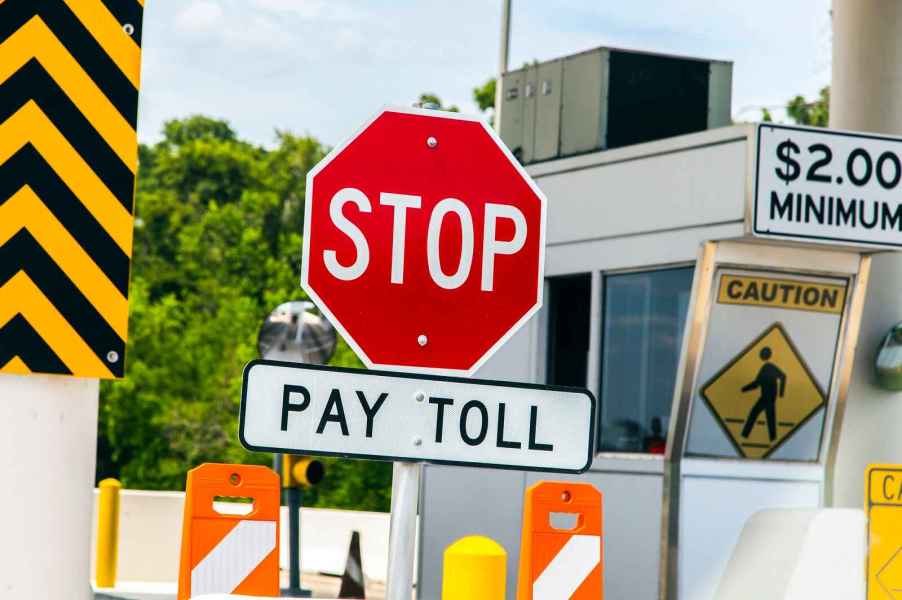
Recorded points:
(607, 98)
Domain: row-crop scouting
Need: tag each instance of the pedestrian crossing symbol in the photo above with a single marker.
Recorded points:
(764, 395)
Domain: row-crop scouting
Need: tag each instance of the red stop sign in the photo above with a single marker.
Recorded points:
(424, 241)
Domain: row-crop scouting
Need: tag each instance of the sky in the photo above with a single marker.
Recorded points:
(323, 67)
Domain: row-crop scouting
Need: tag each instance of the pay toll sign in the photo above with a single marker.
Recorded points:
(306, 409)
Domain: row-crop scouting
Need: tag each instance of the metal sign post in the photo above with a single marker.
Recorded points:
(405, 492)
(431, 218)
(293, 333)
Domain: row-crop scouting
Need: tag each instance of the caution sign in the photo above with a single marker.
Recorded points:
(781, 293)
(883, 505)
(69, 75)
(764, 394)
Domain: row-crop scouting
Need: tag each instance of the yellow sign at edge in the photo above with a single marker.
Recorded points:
(792, 294)
(883, 505)
(764, 394)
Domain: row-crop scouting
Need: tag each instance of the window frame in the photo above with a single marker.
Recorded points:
(597, 323)
(547, 371)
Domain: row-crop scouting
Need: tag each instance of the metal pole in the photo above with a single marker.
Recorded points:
(502, 57)
(505, 36)
(405, 492)
(293, 501)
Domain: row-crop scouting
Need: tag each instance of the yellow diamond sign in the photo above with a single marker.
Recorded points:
(883, 503)
(764, 395)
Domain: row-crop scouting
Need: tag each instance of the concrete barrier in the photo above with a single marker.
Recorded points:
(798, 555)
(150, 531)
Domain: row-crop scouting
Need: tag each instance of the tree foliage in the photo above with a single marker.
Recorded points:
(484, 95)
(815, 113)
(430, 100)
(217, 246)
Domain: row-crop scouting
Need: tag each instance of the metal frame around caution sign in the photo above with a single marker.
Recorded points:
(681, 463)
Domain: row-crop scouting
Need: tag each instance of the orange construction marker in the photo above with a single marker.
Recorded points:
(230, 553)
(561, 564)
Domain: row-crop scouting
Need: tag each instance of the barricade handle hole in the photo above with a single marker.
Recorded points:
(234, 478)
(564, 521)
(566, 496)
(233, 505)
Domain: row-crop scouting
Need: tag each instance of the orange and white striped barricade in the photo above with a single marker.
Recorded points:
(555, 563)
(230, 553)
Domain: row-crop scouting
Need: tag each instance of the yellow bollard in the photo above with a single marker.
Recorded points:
(107, 533)
(475, 569)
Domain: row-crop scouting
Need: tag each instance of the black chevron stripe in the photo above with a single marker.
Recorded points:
(32, 82)
(127, 11)
(80, 43)
(18, 338)
(28, 167)
(23, 253)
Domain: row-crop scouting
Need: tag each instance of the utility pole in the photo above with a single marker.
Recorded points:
(502, 57)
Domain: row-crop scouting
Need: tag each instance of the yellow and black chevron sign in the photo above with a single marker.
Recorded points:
(69, 78)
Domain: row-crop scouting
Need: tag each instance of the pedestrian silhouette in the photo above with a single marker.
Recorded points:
(768, 377)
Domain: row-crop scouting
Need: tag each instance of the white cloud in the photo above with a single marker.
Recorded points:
(199, 16)
(227, 23)
(332, 10)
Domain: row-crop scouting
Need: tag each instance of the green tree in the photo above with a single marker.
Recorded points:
(815, 113)
(430, 100)
(217, 246)
(484, 95)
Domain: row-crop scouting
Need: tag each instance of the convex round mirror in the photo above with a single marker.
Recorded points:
(888, 365)
(294, 333)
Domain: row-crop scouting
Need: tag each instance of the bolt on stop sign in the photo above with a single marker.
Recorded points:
(424, 241)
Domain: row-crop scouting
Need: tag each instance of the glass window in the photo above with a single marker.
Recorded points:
(644, 316)
(568, 329)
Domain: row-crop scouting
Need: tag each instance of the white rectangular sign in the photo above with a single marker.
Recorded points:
(828, 186)
(328, 411)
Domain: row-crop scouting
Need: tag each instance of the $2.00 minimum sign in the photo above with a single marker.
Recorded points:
(828, 186)
(328, 411)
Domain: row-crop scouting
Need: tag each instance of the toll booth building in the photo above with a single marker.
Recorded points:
(658, 299)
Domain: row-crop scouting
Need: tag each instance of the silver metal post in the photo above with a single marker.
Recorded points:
(405, 492)
(505, 35)
(503, 56)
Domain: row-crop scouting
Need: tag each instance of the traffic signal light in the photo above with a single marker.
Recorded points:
(301, 471)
